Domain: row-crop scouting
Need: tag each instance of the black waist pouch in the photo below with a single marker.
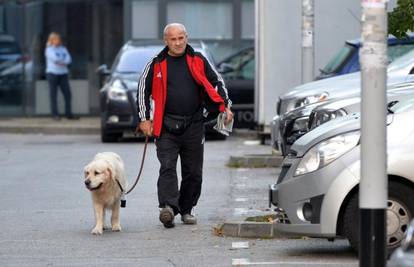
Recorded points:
(177, 124)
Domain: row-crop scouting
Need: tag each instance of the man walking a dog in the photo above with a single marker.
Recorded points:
(181, 83)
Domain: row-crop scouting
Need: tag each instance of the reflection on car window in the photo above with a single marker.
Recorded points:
(403, 61)
(133, 60)
(338, 59)
(395, 51)
(243, 65)
(9, 48)
(247, 71)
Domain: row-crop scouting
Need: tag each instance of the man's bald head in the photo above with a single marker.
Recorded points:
(174, 26)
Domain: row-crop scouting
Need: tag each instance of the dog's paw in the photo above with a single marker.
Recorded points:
(116, 228)
(97, 231)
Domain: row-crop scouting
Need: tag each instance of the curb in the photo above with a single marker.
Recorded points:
(249, 229)
(45, 125)
(49, 130)
(255, 161)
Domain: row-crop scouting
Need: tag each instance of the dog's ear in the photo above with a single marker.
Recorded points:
(110, 173)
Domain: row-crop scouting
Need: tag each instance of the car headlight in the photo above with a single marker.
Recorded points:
(117, 91)
(327, 151)
(311, 99)
(319, 117)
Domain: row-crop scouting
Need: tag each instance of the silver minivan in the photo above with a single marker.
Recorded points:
(317, 189)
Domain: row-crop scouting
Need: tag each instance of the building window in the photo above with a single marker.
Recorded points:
(145, 19)
(247, 19)
(203, 20)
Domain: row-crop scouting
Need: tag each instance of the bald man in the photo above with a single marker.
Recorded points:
(182, 83)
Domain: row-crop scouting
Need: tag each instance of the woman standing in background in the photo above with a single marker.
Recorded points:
(57, 61)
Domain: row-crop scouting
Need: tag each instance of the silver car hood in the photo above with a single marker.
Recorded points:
(352, 103)
(399, 131)
(345, 85)
(325, 131)
(342, 85)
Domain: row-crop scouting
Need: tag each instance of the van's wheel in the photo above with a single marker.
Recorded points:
(400, 211)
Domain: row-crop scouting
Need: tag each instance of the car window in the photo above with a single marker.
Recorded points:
(133, 60)
(339, 59)
(242, 66)
(247, 71)
(9, 48)
(403, 61)
(395, 51)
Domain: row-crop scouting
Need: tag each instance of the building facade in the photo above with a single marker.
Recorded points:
(94, 31)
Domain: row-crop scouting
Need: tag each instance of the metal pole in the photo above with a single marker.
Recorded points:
(373, 185)
(307, 40)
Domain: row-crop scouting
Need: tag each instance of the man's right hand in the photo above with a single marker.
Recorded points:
(145, 127)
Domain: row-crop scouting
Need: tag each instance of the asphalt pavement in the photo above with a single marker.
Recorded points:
(46, 213)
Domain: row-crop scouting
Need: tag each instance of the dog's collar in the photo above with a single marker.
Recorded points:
(120, 186)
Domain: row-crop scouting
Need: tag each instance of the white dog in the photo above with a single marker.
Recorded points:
(105, 178)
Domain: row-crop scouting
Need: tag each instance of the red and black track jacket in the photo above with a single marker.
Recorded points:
(153, 83)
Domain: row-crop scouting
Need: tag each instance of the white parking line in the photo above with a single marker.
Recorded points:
(238, 245)
(251, 142)
(241, 199)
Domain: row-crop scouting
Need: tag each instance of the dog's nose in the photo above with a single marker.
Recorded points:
(87, 182)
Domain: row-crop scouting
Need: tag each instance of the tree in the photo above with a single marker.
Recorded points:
(401, 19)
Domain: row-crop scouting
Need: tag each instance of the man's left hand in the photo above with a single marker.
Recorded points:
(229, 116)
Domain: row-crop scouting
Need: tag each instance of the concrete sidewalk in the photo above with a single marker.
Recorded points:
(46, 125)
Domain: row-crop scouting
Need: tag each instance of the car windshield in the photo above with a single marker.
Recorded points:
(338, 59)
(134, 60)
(9, 48)
(403, 61)
(242, 65)
(396, 51)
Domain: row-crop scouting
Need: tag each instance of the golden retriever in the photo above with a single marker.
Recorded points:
(104, 177)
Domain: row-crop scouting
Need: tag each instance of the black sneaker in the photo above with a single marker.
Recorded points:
(188, 219)
(167, 217)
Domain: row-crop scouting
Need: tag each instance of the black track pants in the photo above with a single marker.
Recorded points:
(190, 147)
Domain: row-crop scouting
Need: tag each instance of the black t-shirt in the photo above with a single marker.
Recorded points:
(183, 92)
